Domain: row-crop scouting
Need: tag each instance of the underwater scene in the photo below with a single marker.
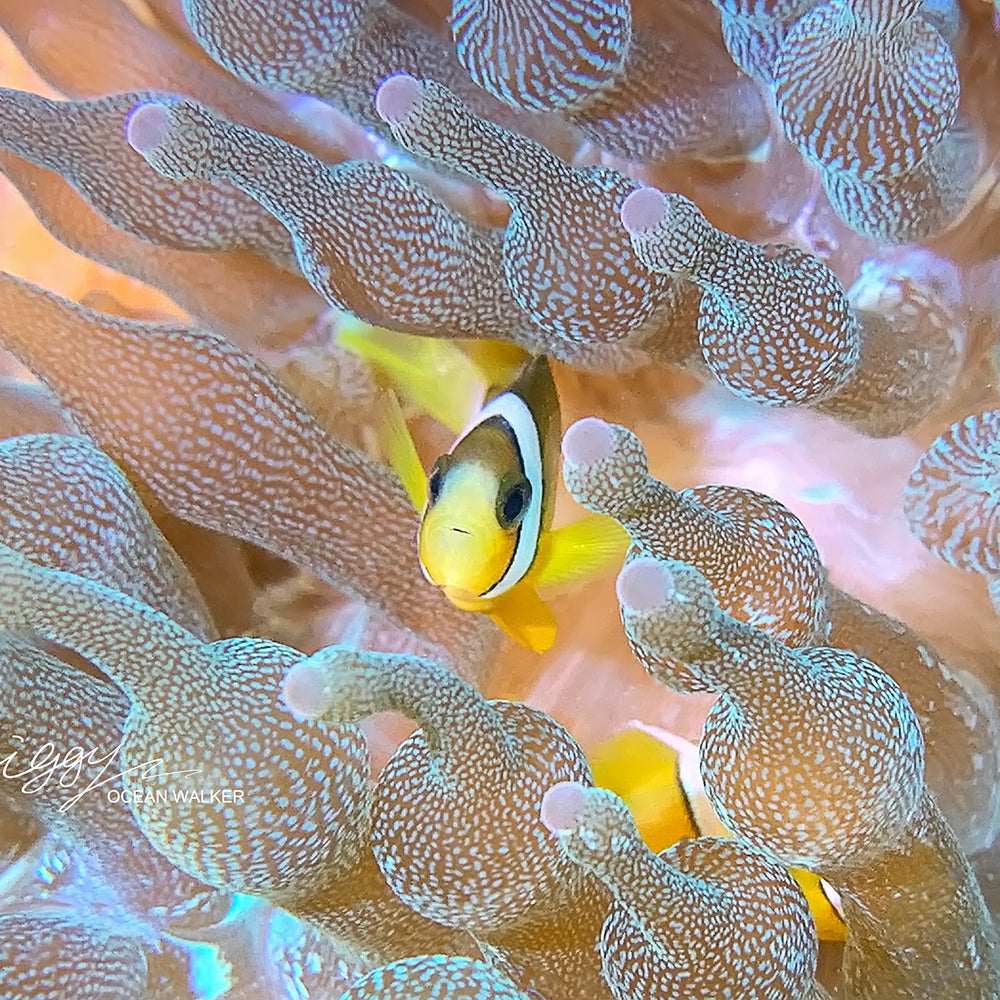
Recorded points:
(499, 499)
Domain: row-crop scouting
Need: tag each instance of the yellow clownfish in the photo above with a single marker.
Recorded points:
(486, 536)
(656, 774)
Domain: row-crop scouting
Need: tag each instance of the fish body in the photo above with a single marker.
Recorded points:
(486, 526)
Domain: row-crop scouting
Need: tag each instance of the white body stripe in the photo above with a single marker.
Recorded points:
(512, 409)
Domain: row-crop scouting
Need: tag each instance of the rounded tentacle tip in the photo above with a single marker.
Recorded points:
(396, 97)
(643, 584)
(643, 210)
(147, 126)
(303, 688)
(587, 441)
(562, 805)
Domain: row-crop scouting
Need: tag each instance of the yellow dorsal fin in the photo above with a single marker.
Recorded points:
(398, 450)
(435, 374)
(576, 552)
(498, 361)
(525, 617)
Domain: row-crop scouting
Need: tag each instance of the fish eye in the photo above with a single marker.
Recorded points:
(436, 478)
(512, 503)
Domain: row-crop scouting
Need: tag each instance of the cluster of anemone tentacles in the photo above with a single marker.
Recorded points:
(690, 209)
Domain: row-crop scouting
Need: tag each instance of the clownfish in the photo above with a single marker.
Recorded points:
(486, 536)
(656, 775)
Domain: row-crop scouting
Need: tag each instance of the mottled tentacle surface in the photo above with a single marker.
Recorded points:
(761, 561)
(434, 977)
(766, 752)
(566, 262)
(339, 51)
(816, 755)
(774, 323)
(455, 823)
(46, 955)
(66, 505)
(866, 87)
(677, 93)
(912, 347)
(82, 142)
(542, 54)
(703, 918)
(754, 30)
(221, 443)
(368, 238)
(916, 204)
(952, 498)
(209, 714)
(75, 725)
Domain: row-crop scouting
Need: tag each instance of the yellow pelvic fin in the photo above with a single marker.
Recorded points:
(525, 617)
(574, 553)
(435, 374)
(398, 450)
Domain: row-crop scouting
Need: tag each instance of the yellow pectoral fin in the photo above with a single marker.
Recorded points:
(497, 360)
(525, 617)
(577, 552)
(397, 448)
(825, 910)
(435, 374)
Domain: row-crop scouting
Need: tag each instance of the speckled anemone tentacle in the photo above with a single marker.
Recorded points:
(703, 918)
(81, 141)
(368, 238)
(753, 31)
(866, 87)
(774, 322)
(208, 712)
(565, 261)
(50, 955)
(434, 977)
(455, 817)
(542, 54)
(764, 753)
(66, 505)
(337, 50)
(816, 756)
(49, 703)
(952, 498)
(220, 442)
(759, 557)
(916, 204)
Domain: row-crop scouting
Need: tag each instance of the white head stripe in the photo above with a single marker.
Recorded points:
(513, 410)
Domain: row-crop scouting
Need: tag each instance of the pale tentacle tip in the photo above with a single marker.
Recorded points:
(396, 97)
(644, 584)
(147, 126)
(562, 805)
(303, 688)
(587, 441)
(644, 209)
